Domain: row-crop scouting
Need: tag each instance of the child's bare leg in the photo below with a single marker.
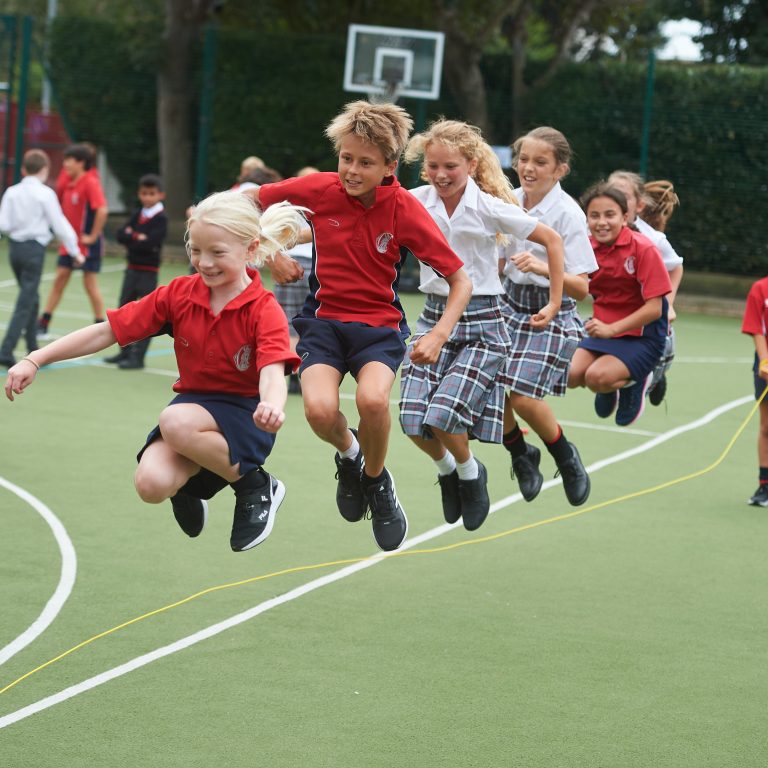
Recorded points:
(581, 360)
(91, 285)
(374, 385)
(192, 432)
(161, 472)
(536, 413)
(606, 374)
(57, 289)
(320, 390)
(762, 434)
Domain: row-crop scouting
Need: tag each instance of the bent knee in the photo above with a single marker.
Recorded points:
(151, 487)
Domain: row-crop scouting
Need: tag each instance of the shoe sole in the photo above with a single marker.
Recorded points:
(763, 504)
(278, 494)
(405, 517)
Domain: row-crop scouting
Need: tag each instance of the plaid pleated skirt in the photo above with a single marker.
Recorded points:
(461, 392)
(540, 358)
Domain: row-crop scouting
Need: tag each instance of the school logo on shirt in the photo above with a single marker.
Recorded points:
(629, 265)
(382, 241)
(243, 357)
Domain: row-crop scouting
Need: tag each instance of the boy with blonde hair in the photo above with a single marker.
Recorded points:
(363, 224)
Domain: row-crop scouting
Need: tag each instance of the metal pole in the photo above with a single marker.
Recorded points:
(21, 105)
(206, 109)
(10, 26)
(647, 109)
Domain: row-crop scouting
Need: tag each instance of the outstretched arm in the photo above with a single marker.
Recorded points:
(85, 341)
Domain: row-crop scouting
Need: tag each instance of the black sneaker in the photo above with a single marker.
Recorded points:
(575, 478)
(475, 503)
(390, 525)
(605, 403)
(632, 402)
(350, 498)
(760, 497)
(255, 512)
(191, 513)
(658, 393)
(525, 469)
(116, 358)
(130, 364)
(294, 385)
(449, 494)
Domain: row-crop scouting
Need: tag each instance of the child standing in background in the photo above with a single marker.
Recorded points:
(29, 214)
(231, 344)
(538, 365)
(629, 323)
(363, 223)
(143, 236)
(755, 324)
(85, 206)
(638, 201)
(460, 395)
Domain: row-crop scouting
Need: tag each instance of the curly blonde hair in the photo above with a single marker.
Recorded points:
(661, 202)
(276, 228)
(467, 140)
(386, 126)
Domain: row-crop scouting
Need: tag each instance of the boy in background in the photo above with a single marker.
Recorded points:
(363, 224)
(85, 206)
(755, 324)
(143, 236)
(29, 212)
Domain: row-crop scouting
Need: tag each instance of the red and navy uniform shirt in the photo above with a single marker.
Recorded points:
(755, 321)
(215, 353)
(630, 272)
(80, 200)
(358, 252)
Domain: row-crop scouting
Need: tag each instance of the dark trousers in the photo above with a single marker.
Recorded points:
(137, 283)
(27, 264)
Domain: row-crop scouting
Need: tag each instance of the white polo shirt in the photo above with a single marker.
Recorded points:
(471, 232)
(561, 212)
(659, 239)
(30, 210)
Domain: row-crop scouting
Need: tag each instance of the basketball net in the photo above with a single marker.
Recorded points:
(389, 92)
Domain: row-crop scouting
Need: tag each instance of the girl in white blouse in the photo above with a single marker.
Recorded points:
(461, 395)
(538, 365)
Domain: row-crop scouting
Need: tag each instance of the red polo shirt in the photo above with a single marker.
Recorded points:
(756, 312)
(215, 353)
(630, 272)
(79, 201)
(359, 251)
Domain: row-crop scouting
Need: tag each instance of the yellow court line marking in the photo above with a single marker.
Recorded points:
(407, 553)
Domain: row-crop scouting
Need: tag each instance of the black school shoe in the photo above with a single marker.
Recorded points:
(759, 497)
(449, 495)
(576, 482)
(190, 512)
(525, 469)
(255, 510)
(350, 498)
(390, 525)
(659, 392)
(475, 503)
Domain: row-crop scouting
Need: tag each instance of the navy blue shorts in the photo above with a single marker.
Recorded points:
(248, 445)
(92, 261)
(760, 384)
(347, 346)
(639, 353)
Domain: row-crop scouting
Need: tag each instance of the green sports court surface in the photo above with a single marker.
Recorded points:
(628, 632)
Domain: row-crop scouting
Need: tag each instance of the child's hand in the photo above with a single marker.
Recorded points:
(762, 370)
(79, 259)
(88, 239)
(525, 261)
(597, 329)
(426, 349)
(284, 269)
(544, 316)
(268, 417)
(20, 376)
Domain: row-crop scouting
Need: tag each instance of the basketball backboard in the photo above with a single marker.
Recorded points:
(393, 62)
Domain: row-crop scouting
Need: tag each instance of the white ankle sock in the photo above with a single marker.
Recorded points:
(446, 465)
(352, 451)
(468, 470)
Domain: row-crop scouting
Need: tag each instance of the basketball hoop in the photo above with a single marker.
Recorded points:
(387, 92)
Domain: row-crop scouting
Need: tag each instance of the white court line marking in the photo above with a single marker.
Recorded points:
(233, 621)
(66, 577)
